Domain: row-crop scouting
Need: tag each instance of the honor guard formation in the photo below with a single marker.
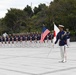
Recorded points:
(23, 39)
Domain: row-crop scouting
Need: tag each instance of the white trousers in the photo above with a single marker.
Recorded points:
(68, 42)
(63, 53)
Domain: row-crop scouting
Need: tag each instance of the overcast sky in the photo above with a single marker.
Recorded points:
(20, 4)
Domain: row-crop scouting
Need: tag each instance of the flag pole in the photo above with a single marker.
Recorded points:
(51, 46)
(50, 51)
(53, 34)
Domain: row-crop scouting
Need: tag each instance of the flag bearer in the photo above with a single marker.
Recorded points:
(61, 36)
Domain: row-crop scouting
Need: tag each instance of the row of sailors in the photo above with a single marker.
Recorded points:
(30, 38)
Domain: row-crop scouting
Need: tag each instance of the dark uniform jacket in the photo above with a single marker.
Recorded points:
(61, 36)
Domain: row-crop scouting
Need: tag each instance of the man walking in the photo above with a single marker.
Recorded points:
(61, 36)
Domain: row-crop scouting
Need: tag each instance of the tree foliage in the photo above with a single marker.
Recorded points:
(30, 20)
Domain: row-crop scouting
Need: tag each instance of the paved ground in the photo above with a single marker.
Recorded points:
(36, 61)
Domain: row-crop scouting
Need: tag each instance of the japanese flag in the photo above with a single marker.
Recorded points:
(56, 30)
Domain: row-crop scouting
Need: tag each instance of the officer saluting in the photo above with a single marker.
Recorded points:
(61, 36)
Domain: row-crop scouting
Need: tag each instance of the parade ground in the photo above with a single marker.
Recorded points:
(37, 59)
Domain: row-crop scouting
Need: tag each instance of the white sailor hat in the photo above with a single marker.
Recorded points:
(61, 26)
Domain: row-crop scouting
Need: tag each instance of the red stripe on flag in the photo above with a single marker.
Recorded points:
(54, 33)
(43, 35)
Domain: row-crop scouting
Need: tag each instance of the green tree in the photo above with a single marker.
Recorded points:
(63, 12)
(40, 16)
(14, 19)
(3, 27)
(28, 20)
(29, 11)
